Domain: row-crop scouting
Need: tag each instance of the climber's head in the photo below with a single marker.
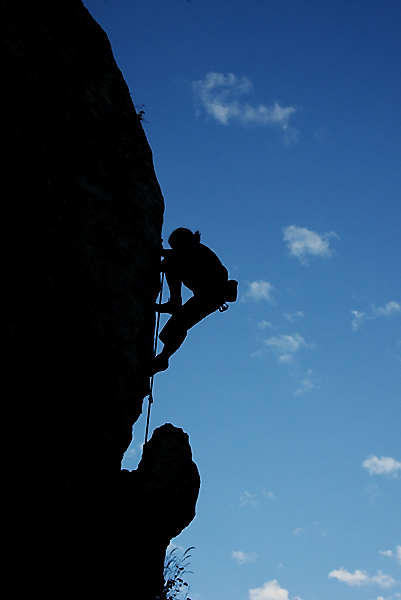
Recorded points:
(182, 236)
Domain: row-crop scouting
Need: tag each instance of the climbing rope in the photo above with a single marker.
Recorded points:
(150, 400)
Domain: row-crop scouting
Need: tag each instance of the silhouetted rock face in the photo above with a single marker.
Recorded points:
(82, 216)
(169, 479)
(169, 482)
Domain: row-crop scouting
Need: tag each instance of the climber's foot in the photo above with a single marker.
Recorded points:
(160, 363)
(168, 307)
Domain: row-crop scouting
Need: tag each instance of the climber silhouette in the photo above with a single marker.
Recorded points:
(197, 267)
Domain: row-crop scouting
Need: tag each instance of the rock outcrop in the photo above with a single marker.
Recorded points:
(82, 216)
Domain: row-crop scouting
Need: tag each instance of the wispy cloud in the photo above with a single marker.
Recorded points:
(359, 318)
(306, 384)
(255, 499)
(269, 495)
(393, 554)
(386, 465)
(218, 95)
(286, 346)
(359, 578)
(248, 498)
(305, 244)
(271, 590)
(291, 317)
(259, 290)
(244, 557)
(299, 531)
(264, 325)
(314, 529)
(373, 492)
(374, 312)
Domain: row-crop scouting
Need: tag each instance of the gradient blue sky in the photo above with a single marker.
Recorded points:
(275, 129)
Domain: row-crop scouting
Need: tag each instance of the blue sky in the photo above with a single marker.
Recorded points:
(275, 130)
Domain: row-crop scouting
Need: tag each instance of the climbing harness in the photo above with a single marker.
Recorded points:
(150, 400)
(231, 293)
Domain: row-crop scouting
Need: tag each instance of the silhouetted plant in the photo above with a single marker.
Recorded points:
(141, 113)
(175, 567)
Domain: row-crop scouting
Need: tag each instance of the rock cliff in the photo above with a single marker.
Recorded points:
(82, 215)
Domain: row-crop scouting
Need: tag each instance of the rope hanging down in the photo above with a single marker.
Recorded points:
(150, 401)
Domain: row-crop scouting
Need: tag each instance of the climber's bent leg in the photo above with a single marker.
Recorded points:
(175, 331)
(160, 362)
(174, 285)
(172, 335)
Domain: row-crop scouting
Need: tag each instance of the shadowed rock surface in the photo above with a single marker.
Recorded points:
(169, 483)
(82, 216)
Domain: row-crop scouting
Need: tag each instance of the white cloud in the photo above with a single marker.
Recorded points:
(244, 557)
(305, 385)
(255, 499)
(375, 312)
(264, 325)
(269, 495)
(217, 95)
(359, 578)
(383, 580)
(389, 309)
(271, 590)
(286, 343)
(248, 498)
(291, 317)
(259, 290)
(299, 531)
(304, 243)
(286, 346)
(373, 492)
(396, 554)
(359, 318)
(386, 465)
